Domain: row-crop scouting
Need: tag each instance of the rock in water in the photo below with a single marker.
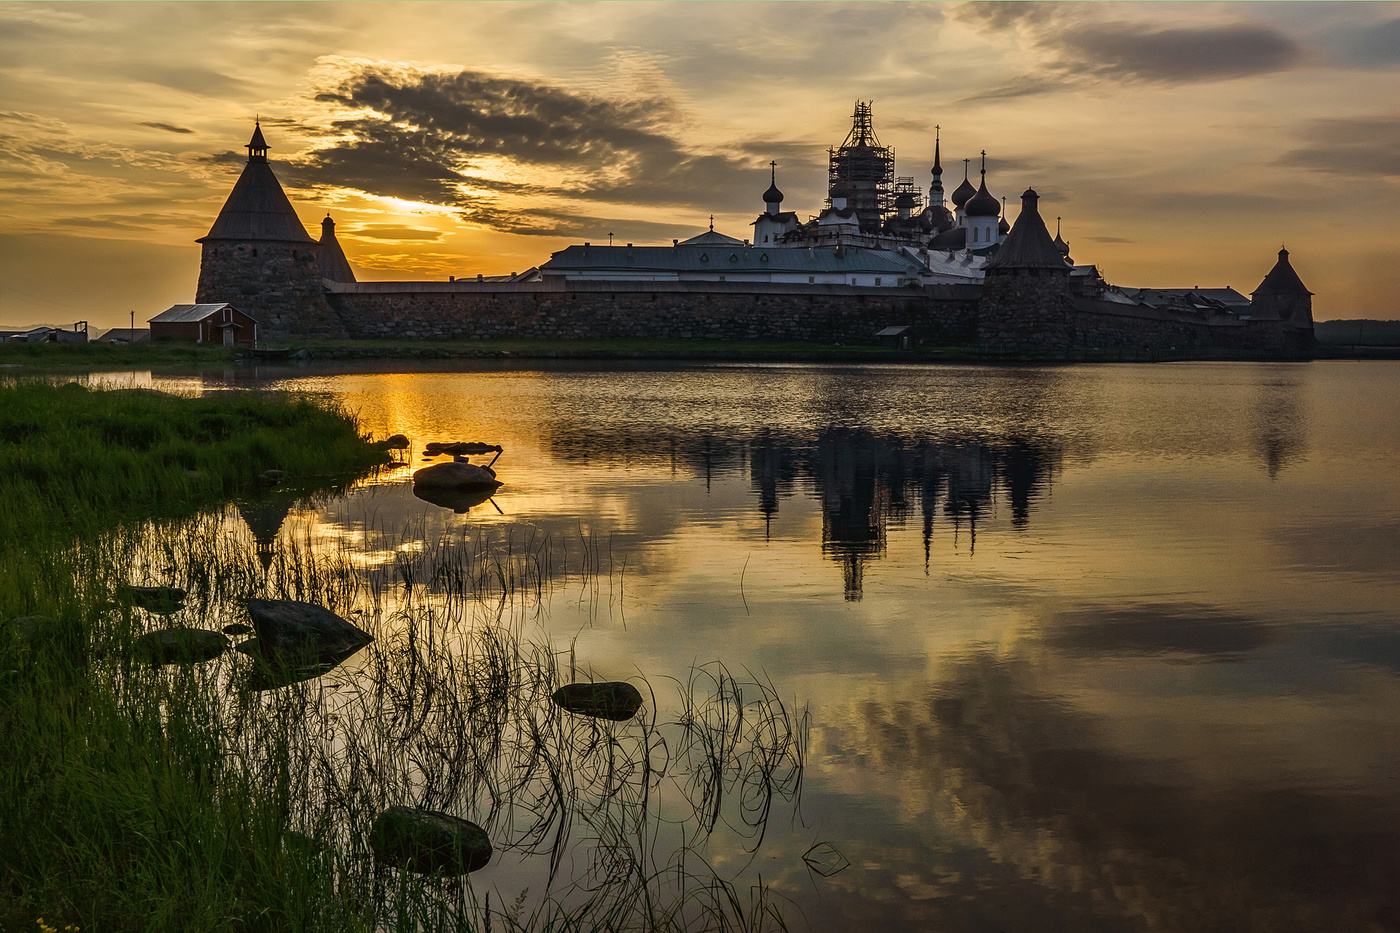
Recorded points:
(180, 646)
(614, 700)
(396, 442)
(161, 600)
(454, 476)
(288, 627)
(458, 499)
(238, 628)
(427, 841)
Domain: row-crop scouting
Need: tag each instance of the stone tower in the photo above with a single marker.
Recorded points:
(1025, 301)
(1282, 297)
(259, 257)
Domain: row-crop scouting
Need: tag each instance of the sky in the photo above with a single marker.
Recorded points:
(1182, 144)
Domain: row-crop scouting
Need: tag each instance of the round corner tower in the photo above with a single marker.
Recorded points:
(259, 257)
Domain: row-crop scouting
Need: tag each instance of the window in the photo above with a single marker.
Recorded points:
(877, 280)
(811, 279)
(765, 238)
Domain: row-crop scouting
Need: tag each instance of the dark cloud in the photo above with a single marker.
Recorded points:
(169, 128)
(427, 136)
(191, 79)
(1176, 55)
(1364, 147)
(1377, 45)
(1110, 239)
(1151, 629)
(1082, 47)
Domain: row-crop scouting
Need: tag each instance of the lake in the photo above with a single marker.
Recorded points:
(1080, 648)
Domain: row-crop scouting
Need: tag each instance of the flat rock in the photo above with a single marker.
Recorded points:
(180, 646)
(613, 700)
(288, 627)
(455, 475)
(161, 600)
(428, 841)
(435, 448)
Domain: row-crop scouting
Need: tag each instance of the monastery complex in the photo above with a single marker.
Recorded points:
(880, 260)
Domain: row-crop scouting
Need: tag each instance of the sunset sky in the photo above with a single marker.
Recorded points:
(1182, 143)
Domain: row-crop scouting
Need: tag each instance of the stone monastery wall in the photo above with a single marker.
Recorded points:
(662, 311)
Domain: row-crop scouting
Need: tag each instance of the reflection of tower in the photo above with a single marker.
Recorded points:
(866, 169)
(771, 470)
(1024, 466)
(1280, 426)
(852, 517)
(264, 518)
(970, 474)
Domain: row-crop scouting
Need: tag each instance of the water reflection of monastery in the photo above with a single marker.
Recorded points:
(864, 481)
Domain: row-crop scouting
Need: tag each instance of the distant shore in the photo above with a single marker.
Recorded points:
(22, 357)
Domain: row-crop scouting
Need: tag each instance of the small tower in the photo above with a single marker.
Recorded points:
(330, 258)
(773, 198)
(982, 212)
(774, 223)
(1025, 300)
(961, 194)
(259, 257)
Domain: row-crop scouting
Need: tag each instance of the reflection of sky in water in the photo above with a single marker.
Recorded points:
(1085, 648)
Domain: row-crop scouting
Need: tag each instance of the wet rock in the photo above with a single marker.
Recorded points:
(29, 629)
(613, 700)
(238, 628)
(162, 600)
(427, 841)
(396, 442)
(455, 475)
(458, 499)
(180, 646)
(271, 477)
(288, 627)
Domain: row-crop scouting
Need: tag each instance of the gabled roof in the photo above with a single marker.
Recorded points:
(257, 209)
(185, 314)
(709, 238)
(1028, 245)
(1282, 280)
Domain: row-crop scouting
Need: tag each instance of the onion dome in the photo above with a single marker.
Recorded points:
(1003, 228)
(841, 190)
(964, 191)
(904, 200)
(773, 195)
(982, 204)
(1060, 244)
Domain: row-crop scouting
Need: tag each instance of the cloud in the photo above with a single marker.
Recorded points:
(395, 232)
(169, 128)
(1152, 629)
(449, 137)
(1363, 147)
(1079, 47)
(1377, 45)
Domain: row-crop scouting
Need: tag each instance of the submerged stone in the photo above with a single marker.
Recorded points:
(613, 700)
(180, 646)
(455, 475)
(276, 668)
(238, 628)
(428, 841)
(161, 600)
(292, 627)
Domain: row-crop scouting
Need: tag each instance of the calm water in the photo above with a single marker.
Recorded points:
(1098, 648)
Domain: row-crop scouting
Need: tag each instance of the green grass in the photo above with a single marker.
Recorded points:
(181, 798)
(97, 356)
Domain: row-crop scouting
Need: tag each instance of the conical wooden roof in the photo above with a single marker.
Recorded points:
(257, 208)
(1282, 279)
(1028, 245)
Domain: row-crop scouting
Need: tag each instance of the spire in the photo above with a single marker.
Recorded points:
(257, 146)
(712, 223)
(937, 167)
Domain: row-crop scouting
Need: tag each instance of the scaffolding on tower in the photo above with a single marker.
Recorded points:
(865, 167)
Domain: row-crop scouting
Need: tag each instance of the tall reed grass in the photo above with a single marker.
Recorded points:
(185, 798)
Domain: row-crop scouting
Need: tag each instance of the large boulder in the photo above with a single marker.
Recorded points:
(180, 646)
(455, 475)
(427, 841)
(613, 700)
(395, 442)
(289, 627)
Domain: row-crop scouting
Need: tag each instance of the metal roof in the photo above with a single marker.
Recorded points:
(184, 314)
(257, 209)
(728, 259)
